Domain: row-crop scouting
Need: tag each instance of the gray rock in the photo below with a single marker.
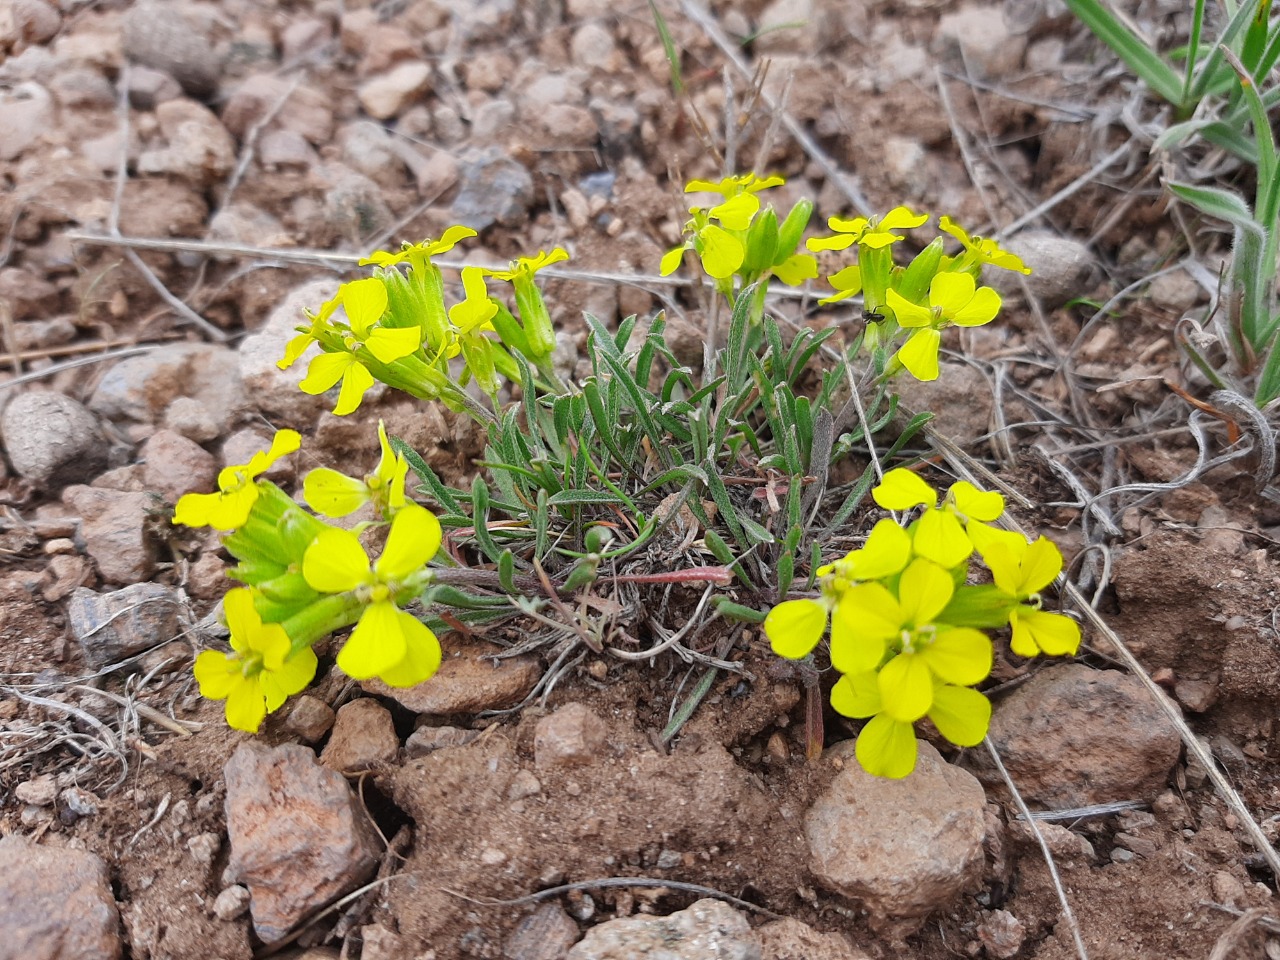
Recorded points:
(543, 935)
(903, 848)
(28, 294)
(82, 87)
(141, 388)
(1072, 736)
(26, 111)
(309, 718)
(148, 88)
(57, 904)
(495, 189)
(231, 903)
(491, 120)
(79, 801)
(354, 207)
(197, 146)
(990, 48)
(247, 223)
(570, 126)
(1060, 268)
(708, 930)
(306, 111)
(191, 419)
(112, 626)
(174, 465)
(299, 838)
(51, 439)
(42, 334)
(390, 94)
(287, 149)
(366, 147)
(592, 46)
(176, 39)
(426, 740)
(363, 736)
(275, 391)
(113, 525)
(572, 736)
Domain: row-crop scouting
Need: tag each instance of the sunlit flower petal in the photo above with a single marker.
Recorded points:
(906, 687)
(422, 655)
(924, 591)
(920, 354)
(376, 644)
(975, 504)
(794, 627)
(217, 674)
(336, 562)
(886, 747)
(856, 695)
(961, 656)
(909, 314)
(414, 539)
(939, 537)
(365, 301)
(900, 489)
(389, 344)
(886, 552)
(721, 252)
(960, 714)
(332, 493)
(246, 707)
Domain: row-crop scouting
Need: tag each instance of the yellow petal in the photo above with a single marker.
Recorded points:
(857, 646)
(848, 281)
(975, 504)
(855, 226)
(901, 218)
(961, 656)
(365, 302)
(900, 489)
(355, 381)
(856, 695)
(242, 618)
(414, 539)
(292, 677)
(324, 371)
(920, 354)
(906, 687)
(961, 715)
(886, 552)
(886, 747)
(736, 212)
(938, 536)
(794, 627)
(721, 252)
(796, 269)
(246, 706)
(1041, 565)
(981, 308)
(951, 292)
(671, 260)
(389, 344)
(335, 562)
(450, 238)
(332, 493)
(422, 655)
(217, 674)
(295, 348)
(948, 225)
(376, 644)
(1054, 633)
(838, 242)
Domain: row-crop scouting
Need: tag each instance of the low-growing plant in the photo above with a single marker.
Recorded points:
(647, 497)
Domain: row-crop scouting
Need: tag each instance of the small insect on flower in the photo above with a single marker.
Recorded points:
(237, 493)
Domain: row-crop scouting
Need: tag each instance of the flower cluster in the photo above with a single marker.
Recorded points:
(907, 631)
(395, 327)
(305, 578)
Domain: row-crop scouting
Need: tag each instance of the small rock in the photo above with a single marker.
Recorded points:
(188, 418)
(35, 20)
(961, 395)
(989, 47)
(1072, 736)
(491, 119)
(52, 440)
(367, 147)
(495, 189)
(285, 149)
(148, 88)
(58, 903)
(523, 784)
(248, 223)
(176, 39)
(1002, 934)
(207, 577)
(570, 126)
(116, 625)
(592, 46)
(466, 683)
(1121, 855)
(113, 525)
(141, 388)
(904, 848)
(289, 871)
(82, 87)
(426, 740)
(304, 36)
(1063, 843)
(434, 174)
(306, 111)
(708, 930)
(65, 573)
(364, 735)
(572, 736)
(174, 465)
(43, 334)
(785, 27)
(275, 391)
(1227, 890)
(310, 718)
(26, 112)
(1196, 695)
(204, 847)
(390, 94)
(197, 147)
(354, 206)
(1174, 291)
(40, 791)
(1147, 849)
(231, 903)
(79, 801)
(1060, 268)
(543, 935)
(789, 939)
(380, 943)
(28, 294)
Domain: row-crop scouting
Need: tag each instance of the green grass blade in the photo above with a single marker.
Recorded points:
(669, 48)
(1140, 58)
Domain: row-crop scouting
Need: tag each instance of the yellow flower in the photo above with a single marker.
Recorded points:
(1021, 570)
(259, 674)
(335, 494)
(944, 535)
(420, 251)
(874, 232)
(526, 267)
(297, 346)
(386, 642)
(733, 186)
(953, 299)
(847, 283)
(980, 250)
(237, 493)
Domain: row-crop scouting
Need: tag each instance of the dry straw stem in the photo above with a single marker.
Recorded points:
(608, 882)
(1234, 934)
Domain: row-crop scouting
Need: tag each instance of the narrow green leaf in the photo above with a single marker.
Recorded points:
(541, 520)
(623, 336)
(581, 498)
(640, 403)
(720, 550)
(669, 48)
(735, 611)
(428, 476)
(480, 520)
(1153, 71)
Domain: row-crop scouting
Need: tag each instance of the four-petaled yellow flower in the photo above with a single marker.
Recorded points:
(335, 494)
(365, 302)
(470, 319)
(386, 642)
(539, 334)
(720, 245)
(526, 267)
(953, 299)
(297, 346)
(1021, 570)
(947, 534)
(980, 250)
(260, 673)
(237, 492)
(420, 251)
(874, 232)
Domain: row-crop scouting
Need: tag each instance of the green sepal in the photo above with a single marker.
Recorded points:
(914, 282)
(288, 588)
(981, 607)
(761, 246)
(509, 329)
(876, 264)
(792, 230)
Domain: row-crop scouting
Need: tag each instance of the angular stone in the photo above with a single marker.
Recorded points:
(390, 94)
(426, 740)
(275, 391)
(141, 388)
(26, 112)
(903, 848)
(57, 904)
(363, 736)
(708, 930)
(40, 791)
(299, 838)
(309, 718)
(544, 934)
(52, 440)
(572, 736)
(466, 683)
(174, 38)
(112, 626)
(1072, 736)
(198, 147)
(789, 939)
(306, 112)
(113, 525)
(174, 465)
(495, 189)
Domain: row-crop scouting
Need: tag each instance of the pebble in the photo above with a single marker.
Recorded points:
(148, 88)
(1063, 843)
(309, 718)
(495, 189)
(79, 801)
(1060, 268)
(207, 577)
(306, 111)
(231, 903)
(58, 903)
(354, 206)
(204, 847)
(789, 939)
(990, 48)
(26, 112)
(708, 930)
(197, 146)
(592, 46)
(27, 293)
(52, 440)
(291, 872)
(40, 791)
(1072, 736)
(285, 149)
(379, 943)
(544, 934)
(570, 126)
(466, 683)
(572, 736)
(491, 119)
(275, 391)
(190, 419)
(366, 147)
(174, 465)
(363, 736)
(1002, 934)
(113, 526)
(785, 26)
(391, 93)
(1227, 890)
(35, 20)
(64, 574)
(903, 848)
(426, 740)
(113, 626)
(142, 388)
(524, 784)
(304, 36)
(43, 334)
(174, 38)
(1121, 855)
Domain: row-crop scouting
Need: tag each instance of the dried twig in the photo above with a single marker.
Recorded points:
(609, 882)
